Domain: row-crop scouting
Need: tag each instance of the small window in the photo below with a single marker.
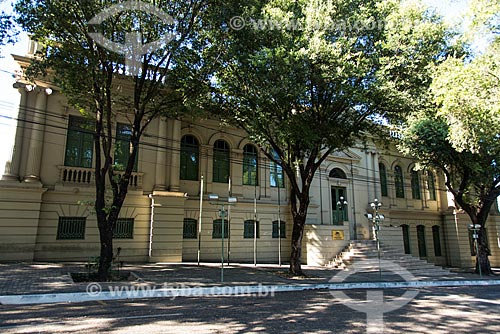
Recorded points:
(281, 233)
(415, 185)
(190, 229)
(71, 228)
(383, 178)
(399, 182)
(250, 164)
(249, 229)
(221, 162)
(217, 229)
(437, 240)
(338, 173)
(124, 228)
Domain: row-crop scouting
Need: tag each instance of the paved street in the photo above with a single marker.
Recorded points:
(435, 310)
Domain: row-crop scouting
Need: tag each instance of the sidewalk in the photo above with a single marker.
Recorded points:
(45, 278)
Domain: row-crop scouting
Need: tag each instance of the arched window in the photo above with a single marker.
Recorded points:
(221, 161)
(189, 158)
(399, 182)
(383, 178)
(431, 185)
(277, 178)
(337, 173)
(250, 164)
(415, 185)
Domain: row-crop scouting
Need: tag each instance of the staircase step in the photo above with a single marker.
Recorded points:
(363, 256)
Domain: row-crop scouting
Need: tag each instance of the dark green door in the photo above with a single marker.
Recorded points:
(422, 249)
(339, 210)
(406, 238)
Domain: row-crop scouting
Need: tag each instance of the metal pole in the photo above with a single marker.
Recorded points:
(279, 221)
(229, 224)
(199, 220)
(477, 253)
(255, 226)
(222, 212)
(378, 243)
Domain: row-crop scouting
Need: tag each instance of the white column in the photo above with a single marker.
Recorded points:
(36, 140)
(161, 156)
(12, 166)
(175, 161)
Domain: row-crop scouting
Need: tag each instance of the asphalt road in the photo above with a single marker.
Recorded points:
(434, 310)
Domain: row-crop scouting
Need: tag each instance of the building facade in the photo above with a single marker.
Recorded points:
(47, 189)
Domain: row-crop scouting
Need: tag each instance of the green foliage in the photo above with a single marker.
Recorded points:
(468, 94)
(306, 78)
(470, 175)
(101, 81)
(305, 83)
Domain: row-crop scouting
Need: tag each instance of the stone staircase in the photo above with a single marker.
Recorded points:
(362, 256)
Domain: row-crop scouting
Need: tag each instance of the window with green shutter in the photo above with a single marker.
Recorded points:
(221, 161)
(399, 182)
(383, 179)
(71, 228)
(124, 228)
(122, 147)
(281, 233)
(190, 230)
(79, 142)
(431, 186)
(276, 175)
(189, 158)
(217, 229)
(415, 185)
(249, 228)
(250, 164)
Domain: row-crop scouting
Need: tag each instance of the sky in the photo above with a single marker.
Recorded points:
(9, 98)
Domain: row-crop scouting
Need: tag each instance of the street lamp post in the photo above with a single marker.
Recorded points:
(214, 200)
(475, 235)
(376, 218)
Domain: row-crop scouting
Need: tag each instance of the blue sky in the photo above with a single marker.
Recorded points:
(9, 98)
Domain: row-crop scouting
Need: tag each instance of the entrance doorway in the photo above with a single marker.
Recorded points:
(406, 238)
(422, 248)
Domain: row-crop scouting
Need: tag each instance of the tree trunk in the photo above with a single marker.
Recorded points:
(297, 234)
(106, 255)
(482, 260)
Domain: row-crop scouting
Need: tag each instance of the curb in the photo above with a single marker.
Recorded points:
(126, 292)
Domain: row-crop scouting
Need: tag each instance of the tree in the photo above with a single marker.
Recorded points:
(305, 79)
(461, 138)
(459, 135)
(148, 72)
